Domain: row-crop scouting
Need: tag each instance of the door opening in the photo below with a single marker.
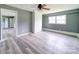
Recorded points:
(8, 24)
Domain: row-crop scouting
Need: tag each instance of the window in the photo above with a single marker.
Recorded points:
(61, 19)
(57, 19)
(52, 20)
(8, 22)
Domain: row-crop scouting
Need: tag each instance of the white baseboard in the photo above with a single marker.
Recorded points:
(23, 34)
(16, 36)
(2, 40)
(64, 32)
(78, 35)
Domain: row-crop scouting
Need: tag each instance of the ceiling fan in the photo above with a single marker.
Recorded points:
(43, 6)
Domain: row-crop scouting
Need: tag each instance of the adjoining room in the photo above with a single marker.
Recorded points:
(39, 29)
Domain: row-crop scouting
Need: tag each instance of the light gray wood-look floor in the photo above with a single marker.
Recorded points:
(40, 43)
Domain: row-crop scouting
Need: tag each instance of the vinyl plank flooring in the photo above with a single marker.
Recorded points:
(23, 46)
(40, 43)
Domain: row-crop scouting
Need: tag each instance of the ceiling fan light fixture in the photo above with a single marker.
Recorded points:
(40, 6)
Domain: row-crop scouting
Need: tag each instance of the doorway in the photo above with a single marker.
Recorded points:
(8, 24)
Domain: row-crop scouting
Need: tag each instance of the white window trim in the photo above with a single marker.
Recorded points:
(56, 20)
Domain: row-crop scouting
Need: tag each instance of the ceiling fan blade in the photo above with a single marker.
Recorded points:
(46, 8)
(44, 5)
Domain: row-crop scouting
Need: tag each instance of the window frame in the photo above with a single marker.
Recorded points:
(49, 20)
(56, 20)
(62, 23)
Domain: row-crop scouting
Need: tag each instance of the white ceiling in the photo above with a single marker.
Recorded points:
(53, 7)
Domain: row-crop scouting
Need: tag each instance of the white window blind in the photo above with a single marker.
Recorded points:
(61, 19)
(52, 20)
(57, 19)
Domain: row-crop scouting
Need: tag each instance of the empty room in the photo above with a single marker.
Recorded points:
(39, 28)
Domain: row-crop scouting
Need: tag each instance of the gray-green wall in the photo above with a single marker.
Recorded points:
(72, 21)
(24, 19)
